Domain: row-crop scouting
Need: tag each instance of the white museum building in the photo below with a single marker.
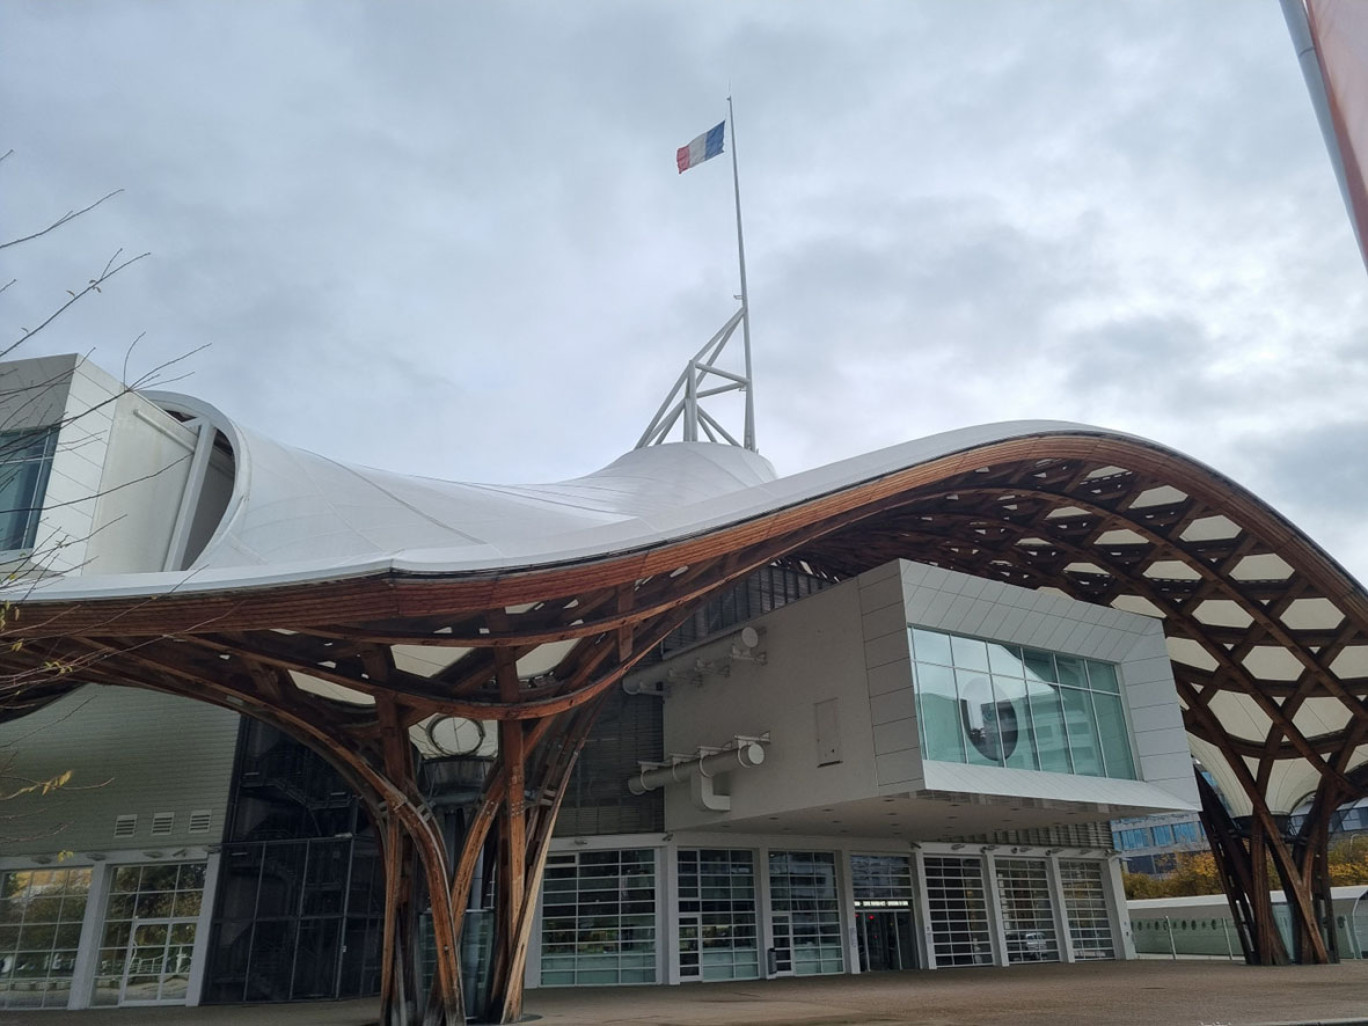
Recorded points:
(911, 768)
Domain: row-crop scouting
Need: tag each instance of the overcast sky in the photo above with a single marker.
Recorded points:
(450, 239)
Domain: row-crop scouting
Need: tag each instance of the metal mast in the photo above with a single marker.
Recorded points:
(745, 298)
(702, 377)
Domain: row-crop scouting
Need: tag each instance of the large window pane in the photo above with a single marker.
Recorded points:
(1102, 677)
(1112, 733)
(939, 718)
(25, 459)
(970, 653)
(1071, 672)
(1005, 660)
(931, 647)
(979, 717)
(1014, 722)
(1047, 728)
(1083, 744)
(41, 917)
(1040, 665)
(1018, 708)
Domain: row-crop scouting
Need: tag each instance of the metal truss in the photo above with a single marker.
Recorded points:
(696, 383)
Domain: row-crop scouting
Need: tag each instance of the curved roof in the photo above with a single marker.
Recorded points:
(296, 516)
(1268, 635)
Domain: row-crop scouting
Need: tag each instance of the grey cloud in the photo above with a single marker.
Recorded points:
(449, 238)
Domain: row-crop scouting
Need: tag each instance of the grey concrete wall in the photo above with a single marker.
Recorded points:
(129, 752)
(810, 661)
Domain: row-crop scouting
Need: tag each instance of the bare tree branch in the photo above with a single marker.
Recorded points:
(70, 215)
(110, 269)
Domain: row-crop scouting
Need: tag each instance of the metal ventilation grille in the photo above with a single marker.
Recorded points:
(162, 823)
(125, 826)
(629, 730)
(200, 820)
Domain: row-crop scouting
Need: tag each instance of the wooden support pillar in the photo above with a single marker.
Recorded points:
(417, 879)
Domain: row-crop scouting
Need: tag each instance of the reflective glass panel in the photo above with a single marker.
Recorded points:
(1018, 708)
(942, 737)
(1014, 723)
(40, 927)
(1113, 736)
(1083, 741)
(931, 647)
(980, 719)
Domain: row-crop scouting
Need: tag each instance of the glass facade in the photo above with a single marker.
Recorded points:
(718, 939)
(599, 918)
(300, 896)
(987, 704)
(149, 934)
(41, 911)
(1134, 834)
(602, 919)
(805, 912)
(296, 920)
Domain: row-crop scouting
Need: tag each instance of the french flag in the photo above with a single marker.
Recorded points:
(705, 147)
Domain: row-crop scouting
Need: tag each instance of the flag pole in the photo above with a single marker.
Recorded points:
(749, 436)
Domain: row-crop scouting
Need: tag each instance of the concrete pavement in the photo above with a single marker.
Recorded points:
(1141, 993)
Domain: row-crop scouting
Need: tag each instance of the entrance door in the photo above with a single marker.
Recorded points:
(157, 964)
(782, 962)
(690, 949)
(885, 940)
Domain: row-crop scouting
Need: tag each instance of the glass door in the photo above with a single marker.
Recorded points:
(157, 964)
(885, 940)
(783, 946)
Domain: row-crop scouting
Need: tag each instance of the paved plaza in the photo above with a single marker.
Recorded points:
(1142, 993)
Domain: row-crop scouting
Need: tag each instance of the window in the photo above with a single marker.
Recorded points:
(1129, 840)
(717, 920)
(149, 934)
(598, 918)
(1187, 833)
(1163, 836)
(41, 911)
(805, 912)
(25, 460)
(986, 704)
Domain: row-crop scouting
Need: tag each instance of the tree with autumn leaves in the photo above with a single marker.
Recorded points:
(1195, 872)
